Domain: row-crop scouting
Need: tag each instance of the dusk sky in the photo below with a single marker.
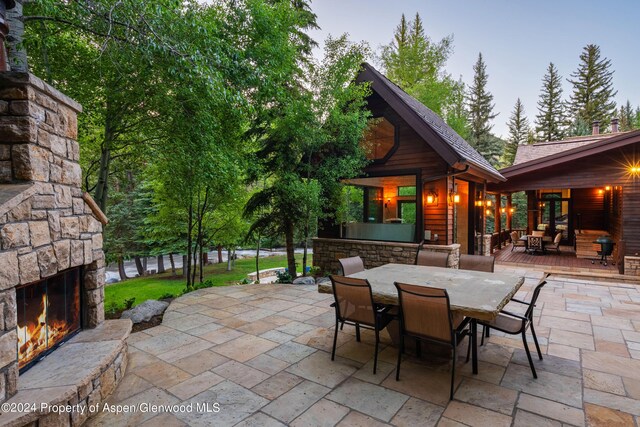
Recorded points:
(517, 39)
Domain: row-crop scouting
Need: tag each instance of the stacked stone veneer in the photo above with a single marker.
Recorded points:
(327, 252)
(45, 224)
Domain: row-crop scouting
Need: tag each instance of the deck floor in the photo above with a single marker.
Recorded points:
(566, 259)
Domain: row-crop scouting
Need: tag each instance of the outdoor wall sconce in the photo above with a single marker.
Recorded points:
(387, 202)
(607, 188)
(432, 198)
(600, 191)
(634, 170)
(454, 198)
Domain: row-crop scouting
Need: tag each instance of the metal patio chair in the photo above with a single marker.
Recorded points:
(354, 306)
(351, 265)
(477, 263)
(514, 324)
(425, 315)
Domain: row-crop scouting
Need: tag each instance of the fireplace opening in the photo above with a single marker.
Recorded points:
(49, 312)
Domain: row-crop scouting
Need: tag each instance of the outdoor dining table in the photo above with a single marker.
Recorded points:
(475, 294)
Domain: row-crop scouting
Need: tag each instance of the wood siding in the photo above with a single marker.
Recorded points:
(588, 205)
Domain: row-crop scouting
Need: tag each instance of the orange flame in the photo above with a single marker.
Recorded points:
(34, 338)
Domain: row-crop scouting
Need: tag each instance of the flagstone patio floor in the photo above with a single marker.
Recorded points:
(262, 353)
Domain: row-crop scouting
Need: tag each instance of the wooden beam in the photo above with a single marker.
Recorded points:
(97, 212)
(509, 213)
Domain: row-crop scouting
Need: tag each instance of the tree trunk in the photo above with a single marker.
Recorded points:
(139, 265)
(121, 271)
(161, 264)
(184, 266)
(201, 263)
(219, 254)
(258, 260)
(228, 259)
(189, 242)
(17, 54)
(291, 260)
(205, 257)
(145, 270)
(233, 258)
(304, 253)
(173, 264)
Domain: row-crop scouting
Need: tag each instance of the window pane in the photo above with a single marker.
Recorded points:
(408, 212)
(379, 139)
(407, 191)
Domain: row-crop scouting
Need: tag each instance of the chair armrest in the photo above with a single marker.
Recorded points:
(517, 316)
(520, 301)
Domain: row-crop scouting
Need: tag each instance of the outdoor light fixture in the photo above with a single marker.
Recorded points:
(432, 198)
(454, 198)
(387, 202)
(607, 188)
(600, 191)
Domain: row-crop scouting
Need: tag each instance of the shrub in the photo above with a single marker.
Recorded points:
(284, 277)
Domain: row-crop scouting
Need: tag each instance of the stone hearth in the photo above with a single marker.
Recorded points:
(47, 224)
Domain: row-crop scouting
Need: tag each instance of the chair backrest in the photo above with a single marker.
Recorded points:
(534, 242)
(514, 236)
(537, 233)
(351, 265)
(557, 239)
(425, 311)
(477, 263)
(354, 300)
(536, 292)
(431, 258)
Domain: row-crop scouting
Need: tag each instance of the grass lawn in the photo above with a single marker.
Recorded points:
(160, 285)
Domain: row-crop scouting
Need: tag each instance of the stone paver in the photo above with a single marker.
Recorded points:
(263, 353)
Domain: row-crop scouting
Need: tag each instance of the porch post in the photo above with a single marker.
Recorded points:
(509, 214)
(532, 207)
(497, 219)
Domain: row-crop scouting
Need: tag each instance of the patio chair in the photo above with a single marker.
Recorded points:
(425, 315)
(516, 242)
(556, 243)
(537, 233)
(431, 258)
(477, 263)
(514, 324)
(535, 244)
(354, 306)
(351, 265)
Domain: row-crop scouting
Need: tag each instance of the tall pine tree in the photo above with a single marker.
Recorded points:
(480, 110)
(592, 97)
(518, 125)
(550, 120)
(416, 63)
(627, 117)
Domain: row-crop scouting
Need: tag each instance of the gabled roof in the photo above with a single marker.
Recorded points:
(434, 131)
(599, 146)
(526, 153)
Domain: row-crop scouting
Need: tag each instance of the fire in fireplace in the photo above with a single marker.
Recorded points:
(48, 313)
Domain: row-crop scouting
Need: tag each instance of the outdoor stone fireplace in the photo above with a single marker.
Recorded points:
(52, 265)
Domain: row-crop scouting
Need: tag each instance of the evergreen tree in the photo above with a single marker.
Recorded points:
(593, 92)
(550, 120)
(416, 63)
(480, 110)
(518, 133)
(627, 117)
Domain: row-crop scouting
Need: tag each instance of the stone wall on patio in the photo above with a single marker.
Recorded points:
(47, 224)
(327, 252)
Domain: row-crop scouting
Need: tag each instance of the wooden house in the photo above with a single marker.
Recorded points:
(423, 183)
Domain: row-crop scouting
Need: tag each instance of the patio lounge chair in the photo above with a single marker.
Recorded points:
(556, 243)
(477, 263)
(425, 315)
(351, 265)
(514, 324)
(432, 259)
(354, 306)
(516, 242)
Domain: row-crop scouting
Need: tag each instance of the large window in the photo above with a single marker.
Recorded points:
(379, 139)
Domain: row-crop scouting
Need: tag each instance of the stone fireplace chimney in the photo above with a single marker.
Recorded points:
(596, 127)
(614, 125)
(47, 224)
